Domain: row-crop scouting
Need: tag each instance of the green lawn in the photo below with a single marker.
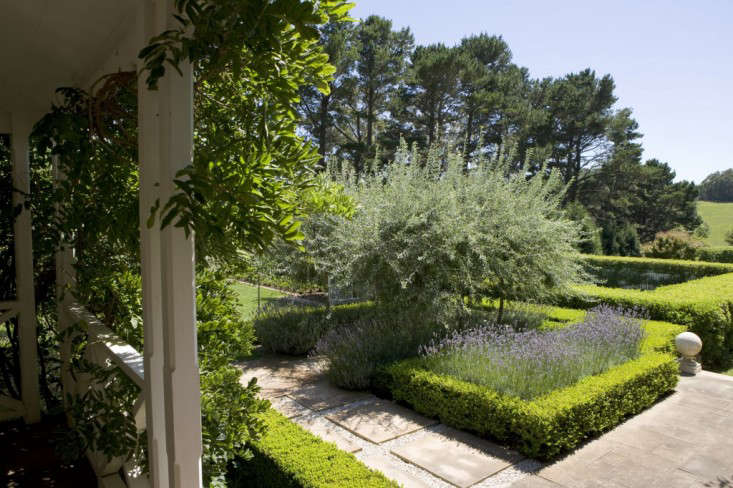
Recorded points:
(248, 297)
(719, 216)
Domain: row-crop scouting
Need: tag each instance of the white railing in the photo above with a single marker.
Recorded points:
(106, 349)
(10, 408)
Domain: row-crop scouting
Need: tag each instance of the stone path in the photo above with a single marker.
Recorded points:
(686, 440)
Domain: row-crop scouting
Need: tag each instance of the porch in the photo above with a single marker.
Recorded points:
(57, 44)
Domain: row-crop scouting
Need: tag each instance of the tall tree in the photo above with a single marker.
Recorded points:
(718, 186)
(380, 66)
(580, 113)
(431, 95)
(323, 113)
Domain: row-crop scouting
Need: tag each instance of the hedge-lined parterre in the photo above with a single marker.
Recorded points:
(552, 424)
(704, 306)
(631, 269)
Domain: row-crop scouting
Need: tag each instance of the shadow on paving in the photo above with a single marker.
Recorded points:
(29, 458)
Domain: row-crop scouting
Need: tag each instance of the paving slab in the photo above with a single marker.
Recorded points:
(322, 395)
(379, 421)
(328, 431)
(534, 481)
(289, 407)
(456, 457)
(390, 467)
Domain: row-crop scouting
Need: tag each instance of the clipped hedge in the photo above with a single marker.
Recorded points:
(548, 426)
(288, 456)
(295, 329)
(633, 270)
(716, 254)
(704, 306)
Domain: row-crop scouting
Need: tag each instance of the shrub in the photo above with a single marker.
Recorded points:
(716, 254)
(729, 237)
(295, 330)
(354, 353)
(313, 464)
(698, 304)
(549, 425)
(673, 244)
(428, 231)
(532, 363)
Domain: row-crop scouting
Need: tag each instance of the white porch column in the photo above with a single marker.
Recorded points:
(181, 373)
(21, 128)
(65, 280)
(150, 253)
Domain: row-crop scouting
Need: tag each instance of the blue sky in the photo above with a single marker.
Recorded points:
(672, 61)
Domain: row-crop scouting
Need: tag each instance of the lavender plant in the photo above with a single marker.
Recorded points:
(532, 363)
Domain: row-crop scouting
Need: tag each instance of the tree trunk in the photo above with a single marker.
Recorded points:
(370, 117)
(323, 126)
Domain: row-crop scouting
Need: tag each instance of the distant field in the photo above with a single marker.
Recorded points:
(248, 297)
(719, 216)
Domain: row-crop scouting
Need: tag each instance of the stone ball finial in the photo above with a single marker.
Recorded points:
(688, 344)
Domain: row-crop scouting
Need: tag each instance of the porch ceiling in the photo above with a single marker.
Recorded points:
(45, 44)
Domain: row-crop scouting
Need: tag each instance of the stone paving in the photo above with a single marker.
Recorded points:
(685, 440)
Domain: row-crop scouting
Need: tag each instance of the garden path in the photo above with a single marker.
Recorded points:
(682, 441)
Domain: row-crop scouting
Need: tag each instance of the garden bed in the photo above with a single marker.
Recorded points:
(551, 424)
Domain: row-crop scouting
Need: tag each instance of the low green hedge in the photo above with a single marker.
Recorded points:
(553, 424)
(716, 254)
(288, 456)
(704, 306)
(634, 271)
(295, 329)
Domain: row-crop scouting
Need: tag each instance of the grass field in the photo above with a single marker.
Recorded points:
(719, 216)
(248, 297)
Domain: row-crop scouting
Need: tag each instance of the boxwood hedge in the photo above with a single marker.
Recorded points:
(632, 270)
(553, 424)
(717, 254)
(288, 456)
(295, 329)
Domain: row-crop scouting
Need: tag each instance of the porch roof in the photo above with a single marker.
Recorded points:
(48, 44)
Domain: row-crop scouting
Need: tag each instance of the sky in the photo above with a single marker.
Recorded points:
(672, 61)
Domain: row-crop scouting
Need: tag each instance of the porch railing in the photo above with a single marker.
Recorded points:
(106, 349)
(10, 407)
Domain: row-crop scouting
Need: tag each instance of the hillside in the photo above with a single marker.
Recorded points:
(719, 216)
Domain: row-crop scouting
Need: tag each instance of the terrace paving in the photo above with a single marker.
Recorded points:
(685, 440)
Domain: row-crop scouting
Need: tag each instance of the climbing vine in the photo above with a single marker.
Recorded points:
(243, 190)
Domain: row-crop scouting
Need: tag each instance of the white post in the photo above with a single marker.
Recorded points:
(64, 282)
(21, 126)
(150, 254)
(181, 372)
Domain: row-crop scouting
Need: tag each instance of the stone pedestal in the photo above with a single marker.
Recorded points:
(689, 366)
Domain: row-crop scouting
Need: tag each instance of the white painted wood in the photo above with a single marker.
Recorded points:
(149, 137)
(22, 123)
(64, 299)
(122, 354)
(181, 372)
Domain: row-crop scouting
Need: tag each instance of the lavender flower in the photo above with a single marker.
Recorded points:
(532, 363)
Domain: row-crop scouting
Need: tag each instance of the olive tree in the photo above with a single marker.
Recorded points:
(428, 232)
